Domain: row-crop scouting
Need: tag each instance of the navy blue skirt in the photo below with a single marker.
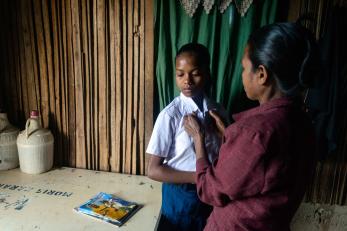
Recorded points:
(181, 208)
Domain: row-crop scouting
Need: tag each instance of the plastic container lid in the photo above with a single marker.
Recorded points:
(34, 114)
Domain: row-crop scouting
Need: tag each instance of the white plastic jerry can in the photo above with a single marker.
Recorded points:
(35, 146)
(8, 146)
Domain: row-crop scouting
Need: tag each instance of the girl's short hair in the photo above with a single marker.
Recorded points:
(199, 51)
(289, 53)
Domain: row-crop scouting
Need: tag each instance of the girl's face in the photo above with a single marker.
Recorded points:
(249, 78)
(190, 78)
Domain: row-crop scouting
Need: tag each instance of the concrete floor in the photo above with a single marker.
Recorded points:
(318, 217)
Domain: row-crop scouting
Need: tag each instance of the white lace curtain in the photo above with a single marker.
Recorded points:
(190, 6)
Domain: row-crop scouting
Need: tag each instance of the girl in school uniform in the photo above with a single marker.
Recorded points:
(172, 155)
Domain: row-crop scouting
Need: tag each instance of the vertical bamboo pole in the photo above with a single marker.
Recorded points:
(107, 83)
(6, 54)
(86, 77)
(124, 90)
(118, 88)
(149, 72)
(34, 93)
(112, 74)
(135, 86)
(129, 86)
(79, 89)
(41, 78)
(58, 144)
(49, 63)
(16, 41)
(91, 67)
(96, 150)
(102, 91)
(21, 64)
(141, 119)
(64, 83)
(71, 87)
(27, 72)
(10, 33)
(2, 61)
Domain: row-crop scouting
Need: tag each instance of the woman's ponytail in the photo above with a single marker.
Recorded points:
(310, 66)
(289, 53)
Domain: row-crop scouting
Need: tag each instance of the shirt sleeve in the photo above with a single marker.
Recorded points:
(162, 135)
(237, 173)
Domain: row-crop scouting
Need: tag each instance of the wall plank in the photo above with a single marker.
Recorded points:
(148, 85)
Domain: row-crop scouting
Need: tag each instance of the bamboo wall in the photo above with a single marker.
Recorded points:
(330, 180)
(87, 66)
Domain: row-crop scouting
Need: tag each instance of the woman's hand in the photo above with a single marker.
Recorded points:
(219, 123)
(192, 126)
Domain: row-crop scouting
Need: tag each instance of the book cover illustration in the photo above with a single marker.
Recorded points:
(109, 208)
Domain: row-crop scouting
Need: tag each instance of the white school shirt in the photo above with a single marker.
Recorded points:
(169, 139)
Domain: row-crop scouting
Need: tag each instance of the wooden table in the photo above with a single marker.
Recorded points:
(46, 201)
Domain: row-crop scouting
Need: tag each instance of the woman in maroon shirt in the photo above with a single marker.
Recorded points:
(267, 158)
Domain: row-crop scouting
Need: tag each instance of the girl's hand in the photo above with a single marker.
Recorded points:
(219, 123)
(192, 126)
(194, 129)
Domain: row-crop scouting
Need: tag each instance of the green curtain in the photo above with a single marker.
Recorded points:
(224, 34)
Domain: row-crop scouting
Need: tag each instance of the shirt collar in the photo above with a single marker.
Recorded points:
(192, 105)
(275, 103)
